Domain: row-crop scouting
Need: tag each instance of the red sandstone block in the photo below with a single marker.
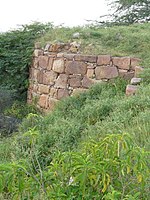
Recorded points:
(59, 65)
(52, 103)
(121, 62)
(103, 60)
(86, 58)
(62, 93)
(40, 76)
(87, 83)
(43, 61)
(135, 62)
(74, 81)
(131, 90)
(105, 72)
(61, 81)
(75, 67)
(49, 77)
(43, 89)
(43, 101)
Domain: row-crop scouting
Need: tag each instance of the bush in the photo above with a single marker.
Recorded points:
(16, 48)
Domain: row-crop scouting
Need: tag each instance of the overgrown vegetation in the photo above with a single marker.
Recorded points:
(95, 145)
(130, 40)
(16, 49)
(92, 146)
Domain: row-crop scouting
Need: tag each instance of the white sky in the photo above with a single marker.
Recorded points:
(67, 12)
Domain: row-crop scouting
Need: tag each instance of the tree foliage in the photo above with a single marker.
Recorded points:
(131, 11)
(16, 49)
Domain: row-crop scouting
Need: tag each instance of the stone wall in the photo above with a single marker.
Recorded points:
(59, 71)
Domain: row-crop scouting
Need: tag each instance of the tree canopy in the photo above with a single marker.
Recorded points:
(131, 11)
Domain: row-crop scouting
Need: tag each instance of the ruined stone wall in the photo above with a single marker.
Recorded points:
(57, 73)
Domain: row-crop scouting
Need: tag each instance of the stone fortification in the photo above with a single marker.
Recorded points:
(59, 71)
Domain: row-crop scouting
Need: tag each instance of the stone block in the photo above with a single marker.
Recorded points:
(90, 73)
(104, 60)
(43, 89)
(35, 88)
(131, 90)
(135, 62)
(35, 62)
(38, 52)
(128, 75)
(43, 61)
(49, 77)
(37, 45)
(86, 82)
(59, 66)
(136, 81)
(122, 62)
(40, 76)
(138, 71)
(52, 103)
(53, 92)
(35, 74)
(43, 101)
(86, 58)
(69, 56)
(104, 72)
(61, 81)
(75, 67)
(62, 93)
(50, 63)
(74, 81)
(91, 66)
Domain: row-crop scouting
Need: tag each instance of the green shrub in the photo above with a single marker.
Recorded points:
(16, 49)
(112, 167)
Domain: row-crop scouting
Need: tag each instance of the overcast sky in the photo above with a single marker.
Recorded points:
(67, 12)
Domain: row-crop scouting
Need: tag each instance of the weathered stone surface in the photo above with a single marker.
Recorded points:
(49, 77)
(138, 71)
(121, 62)
(47, 47)
(77, 91)
(35, 88)
(128, 75)
(86, 58)
(59, 66)
(74, 81)
(91, 66)
(37, 45)
(104, 60)
(62, 93)
(53, 92)
(135, 62)
(131, 90)
(69, 56)
(35, 73)
(50, 63)
(43, 61)
(38, 52)
(35, 62)
(60, 55)
(90, 73)
(43, 89)
(61, 81)
(86, 83)
(136, 81)
(52, 103)
(54, 48)
(43, 101)
(75, 67)
(105, 72)
(40, 76)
